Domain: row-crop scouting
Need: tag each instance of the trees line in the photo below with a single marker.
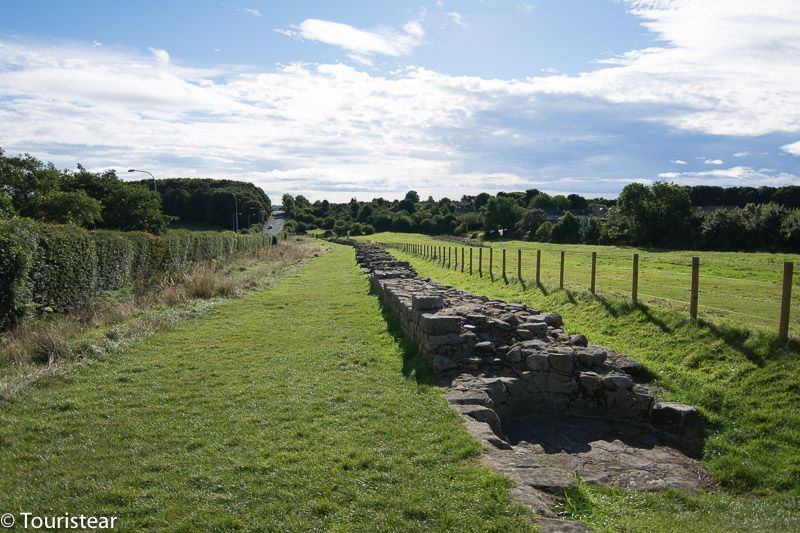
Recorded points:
(33, 189)
(664, 215)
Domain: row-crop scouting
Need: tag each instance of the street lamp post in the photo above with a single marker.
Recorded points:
(235, 212)
(155, 186)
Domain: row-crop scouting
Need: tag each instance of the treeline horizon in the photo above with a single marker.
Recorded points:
(31, 188)
(662, 215)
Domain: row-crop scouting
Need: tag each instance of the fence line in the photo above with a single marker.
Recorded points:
(448, 257)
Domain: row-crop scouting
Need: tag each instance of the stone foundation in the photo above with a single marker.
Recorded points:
(503, 361)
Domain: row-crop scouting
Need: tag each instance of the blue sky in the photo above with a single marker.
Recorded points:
(365, 99)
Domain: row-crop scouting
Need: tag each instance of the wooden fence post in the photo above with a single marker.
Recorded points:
(538, 267)
(786, 300)
(594, 270)
(491, 263)
(480, 261)
(470, 260)
(519, 264)
(695, 287)
(561, 277)
(504, 263)
(462, 259)
(635, 279)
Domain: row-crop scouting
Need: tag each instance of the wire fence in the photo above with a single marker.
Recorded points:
(679, 284)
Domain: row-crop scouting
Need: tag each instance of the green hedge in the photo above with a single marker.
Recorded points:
(62, 267)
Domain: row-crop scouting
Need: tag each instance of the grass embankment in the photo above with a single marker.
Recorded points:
(285, 409)
(735, 287)
(43, 347)
(745, 383)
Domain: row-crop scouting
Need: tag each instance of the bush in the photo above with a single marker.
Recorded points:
(114, 259)
(63, 267)
(64, 271)
(17, 244)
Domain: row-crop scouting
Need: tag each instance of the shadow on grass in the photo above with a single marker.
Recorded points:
(415, 365)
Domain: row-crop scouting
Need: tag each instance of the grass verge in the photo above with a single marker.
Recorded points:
(51, 345)
(285, 409)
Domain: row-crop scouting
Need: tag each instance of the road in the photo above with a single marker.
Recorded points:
(275, 223)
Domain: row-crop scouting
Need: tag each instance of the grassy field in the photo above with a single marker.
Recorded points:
(734, 287)
(286, 409)
(743, 382)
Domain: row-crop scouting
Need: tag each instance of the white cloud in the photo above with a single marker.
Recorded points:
(253, 11)
(793, 148)
(741, 154)
(457, 19)
(162, 56)
(714, 162)
(381, 41)
(729, 67)
(678, 161)
(738, 176)
(335, 131)
(526, 8)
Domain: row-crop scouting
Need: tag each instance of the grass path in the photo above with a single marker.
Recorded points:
(286, 409)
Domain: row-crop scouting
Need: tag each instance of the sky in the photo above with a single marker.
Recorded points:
(367, 99)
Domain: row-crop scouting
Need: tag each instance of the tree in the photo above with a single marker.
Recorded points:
(287, 201)
(723, 228)
(657, 215)
(501, 213)
(135, 208)
(567, 230)
(763, 223)
(790, 229)
(544, 231)
(590, 230)
(530, 222)
(408, 204)
(6, 206)
(481, 200)
(364, 213)
(76, 208)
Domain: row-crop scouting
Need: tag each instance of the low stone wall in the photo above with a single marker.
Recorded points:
(504, 360)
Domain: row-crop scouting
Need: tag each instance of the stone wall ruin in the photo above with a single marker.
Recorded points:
(503, 361)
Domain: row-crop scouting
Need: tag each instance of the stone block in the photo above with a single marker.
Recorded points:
(469, 397)
(538, 362)
(561, 362)
(590, 383)
(617, 382)
(440, 324)
(537, 328)
(673, 418)
(426, 303)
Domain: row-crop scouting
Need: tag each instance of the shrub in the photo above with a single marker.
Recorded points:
(64, 271)
(17, 244)
(114, 259)
(63, 267)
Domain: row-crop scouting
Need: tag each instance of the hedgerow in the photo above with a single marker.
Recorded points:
(62, 267)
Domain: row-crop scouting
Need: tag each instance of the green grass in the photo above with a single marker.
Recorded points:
(616, 509)
(286, 409)
(735, 287)
(743, 381)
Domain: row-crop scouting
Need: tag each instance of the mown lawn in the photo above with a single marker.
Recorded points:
(743, 382)
(735, 287)
(286, 409)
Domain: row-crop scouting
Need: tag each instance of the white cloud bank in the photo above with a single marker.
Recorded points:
(727, 68)
(360, 43)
